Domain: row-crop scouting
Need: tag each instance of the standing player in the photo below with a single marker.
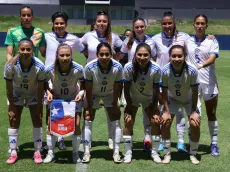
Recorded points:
(179, 91)
(129, 48)
(103, 81)
(64, 76)
(15, 34)
(202, 53)
(91, 40)
(53, 39)
(25, 76)
(142, 77)
(162, 43)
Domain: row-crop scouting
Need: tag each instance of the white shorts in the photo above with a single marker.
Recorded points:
(176, 107)
(207, 91)
(24, 100)
(108, 100)
(145, 101)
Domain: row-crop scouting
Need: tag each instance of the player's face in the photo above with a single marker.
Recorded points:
(177, 58)
(143, 57)
(25, 50)
(64, 56)
(139, 27)
(102, 23)
(26, 17)
(127, 34)
(59, 26)
(200, 25)
(104, 57)
(168, 25)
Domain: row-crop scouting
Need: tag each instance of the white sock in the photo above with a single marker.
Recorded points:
(167, 146)
(147, 126)
(109, 124)
(76, 140)
(213, 130)
(13, 139)
(60, 138)
(87, 135)
(180, 126)
(37, 133)
(123, 98)
(116, 126)
(128, 143)
(193, 147)
(50, 141)
(155, 144)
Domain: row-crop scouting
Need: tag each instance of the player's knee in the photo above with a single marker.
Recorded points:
(193, 124)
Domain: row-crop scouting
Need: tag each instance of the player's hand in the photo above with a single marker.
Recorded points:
(128, 119)
(195, 118)
(166, 118)
(49, 97)
(156, 119)
(78, 98)
(211, 37)
(11, 112)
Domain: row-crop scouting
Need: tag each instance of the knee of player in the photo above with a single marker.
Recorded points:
(193, 124)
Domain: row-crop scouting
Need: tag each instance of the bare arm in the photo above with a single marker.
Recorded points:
(43, 51)
(209, 61)
(9, 93)
(9, 52)
(116, 93)
(128, 98)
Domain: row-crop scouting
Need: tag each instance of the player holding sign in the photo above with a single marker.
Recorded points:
(103, 81)
(64, 76)
(25, 76)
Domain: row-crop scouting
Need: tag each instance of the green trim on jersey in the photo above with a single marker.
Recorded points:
(14, 35)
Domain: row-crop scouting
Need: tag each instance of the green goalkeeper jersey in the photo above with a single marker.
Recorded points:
(14, 35)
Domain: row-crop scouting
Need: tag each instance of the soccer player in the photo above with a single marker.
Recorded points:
(103, 82)
(15, 34)
(103, 33)
(25, 76)
(64, 75)
(53, 40)
(202, 53)
(162, 42)
(128, 48)
(179, 91)
(141, 85)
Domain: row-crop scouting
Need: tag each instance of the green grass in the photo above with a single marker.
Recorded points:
(215, 26)
(102, 157)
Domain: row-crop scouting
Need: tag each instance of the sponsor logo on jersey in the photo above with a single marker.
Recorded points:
(178, 86)
(64, 84)
(25, 80)
(142, 84)
(104, 82)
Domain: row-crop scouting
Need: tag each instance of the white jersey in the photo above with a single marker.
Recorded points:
(179, 86)
(103, 82)
(52, 42)
(25, 81)
(92, 39)
(145, 81)
(198, 53)
(131, 52)
(162, 43)
(65, 85)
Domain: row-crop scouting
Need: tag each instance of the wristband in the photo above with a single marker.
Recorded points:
(81, 92)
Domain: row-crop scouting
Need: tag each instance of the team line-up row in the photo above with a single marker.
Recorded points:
(160, 60)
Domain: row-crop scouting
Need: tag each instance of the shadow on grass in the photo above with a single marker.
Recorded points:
(65, 156)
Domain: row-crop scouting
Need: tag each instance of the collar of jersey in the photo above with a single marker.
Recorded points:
(63, 37)
(149, 63)
(174, 73)
(110, 66)
(32, 63)
(166, 36)
(140, 41)
(67, 73)
(98, 35)
(199, 41)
